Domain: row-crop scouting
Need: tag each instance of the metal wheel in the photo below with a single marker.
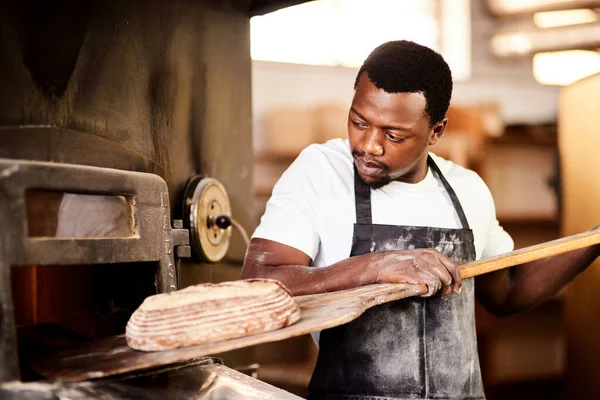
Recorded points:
(205, 200)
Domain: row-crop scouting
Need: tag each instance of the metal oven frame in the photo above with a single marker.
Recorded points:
(154, 238)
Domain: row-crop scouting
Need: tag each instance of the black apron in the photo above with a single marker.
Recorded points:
(415, 348)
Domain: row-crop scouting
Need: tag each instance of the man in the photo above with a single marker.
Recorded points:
(380, 208)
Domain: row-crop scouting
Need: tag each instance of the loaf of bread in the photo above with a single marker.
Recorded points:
(209, 313)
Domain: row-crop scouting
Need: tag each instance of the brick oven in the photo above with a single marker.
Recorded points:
(112, 116)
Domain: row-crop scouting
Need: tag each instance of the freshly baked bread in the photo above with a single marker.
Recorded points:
(209, 313)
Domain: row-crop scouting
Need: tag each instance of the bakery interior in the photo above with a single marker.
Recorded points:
(115, 108)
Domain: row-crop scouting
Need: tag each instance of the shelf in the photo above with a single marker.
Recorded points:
(525, 141)
(275, 157)
(527, 136)
(528, 220)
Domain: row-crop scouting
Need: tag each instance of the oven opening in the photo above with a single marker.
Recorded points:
(56, 307)
(77, 215)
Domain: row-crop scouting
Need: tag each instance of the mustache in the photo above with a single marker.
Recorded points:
(369, 160)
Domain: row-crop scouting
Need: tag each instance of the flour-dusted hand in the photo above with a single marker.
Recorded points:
(420, 266)
(272, 260)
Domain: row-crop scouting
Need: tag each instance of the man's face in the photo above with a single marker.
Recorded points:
(390, 134)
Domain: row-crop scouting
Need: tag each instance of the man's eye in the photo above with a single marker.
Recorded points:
(359, 125)
(394, 138)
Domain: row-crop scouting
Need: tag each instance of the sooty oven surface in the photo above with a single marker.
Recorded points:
(92, 90)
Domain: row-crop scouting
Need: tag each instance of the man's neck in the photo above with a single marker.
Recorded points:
(417, 173)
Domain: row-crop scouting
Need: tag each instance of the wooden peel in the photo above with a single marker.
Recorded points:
(531, 253)
(112, 356)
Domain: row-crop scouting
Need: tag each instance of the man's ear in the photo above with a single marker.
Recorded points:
(437, 131)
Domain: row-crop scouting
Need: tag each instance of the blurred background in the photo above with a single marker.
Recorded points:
(184, 90)
(524, 101)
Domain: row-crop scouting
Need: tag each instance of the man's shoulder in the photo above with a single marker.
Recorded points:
(334, 150)
(333, 157)
(319, 167)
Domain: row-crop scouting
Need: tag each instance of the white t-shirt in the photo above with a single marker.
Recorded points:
(312, 207)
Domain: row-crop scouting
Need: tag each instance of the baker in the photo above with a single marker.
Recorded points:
(381, 208)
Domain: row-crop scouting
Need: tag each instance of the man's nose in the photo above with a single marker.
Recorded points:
(373, 145)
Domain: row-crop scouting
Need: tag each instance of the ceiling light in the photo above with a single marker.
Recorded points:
(514, 7)
(565, 67)
(552, 19)
(511, 43)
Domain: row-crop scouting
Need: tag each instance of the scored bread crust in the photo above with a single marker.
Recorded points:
(208, 313)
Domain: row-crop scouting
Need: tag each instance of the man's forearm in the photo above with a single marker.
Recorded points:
(301, 279)
(270, 259)
(292, 269)
(525, 286)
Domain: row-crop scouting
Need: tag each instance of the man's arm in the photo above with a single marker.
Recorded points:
(273, 260)
(524, 286)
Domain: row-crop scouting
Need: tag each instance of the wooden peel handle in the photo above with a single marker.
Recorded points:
(530, 253)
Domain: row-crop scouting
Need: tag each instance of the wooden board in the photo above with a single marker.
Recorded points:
(112, 356)
(318, 311)
(531, 253)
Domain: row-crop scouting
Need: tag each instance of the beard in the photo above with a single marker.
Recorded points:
(376, 183)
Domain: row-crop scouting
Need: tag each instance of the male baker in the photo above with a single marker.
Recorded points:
(380, 208)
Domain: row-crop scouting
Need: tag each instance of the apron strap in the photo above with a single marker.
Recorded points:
(362, 197)
(453, 197)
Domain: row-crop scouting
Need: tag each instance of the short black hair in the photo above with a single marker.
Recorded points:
(402, 66)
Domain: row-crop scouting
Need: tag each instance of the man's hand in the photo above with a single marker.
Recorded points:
(421, 266)
(269, 259)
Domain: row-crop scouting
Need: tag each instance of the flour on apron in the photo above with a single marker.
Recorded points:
(415, 348)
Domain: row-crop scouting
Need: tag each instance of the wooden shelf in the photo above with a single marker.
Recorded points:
(544, 135)
(275, 157)
(550, 141)
(528, 220)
